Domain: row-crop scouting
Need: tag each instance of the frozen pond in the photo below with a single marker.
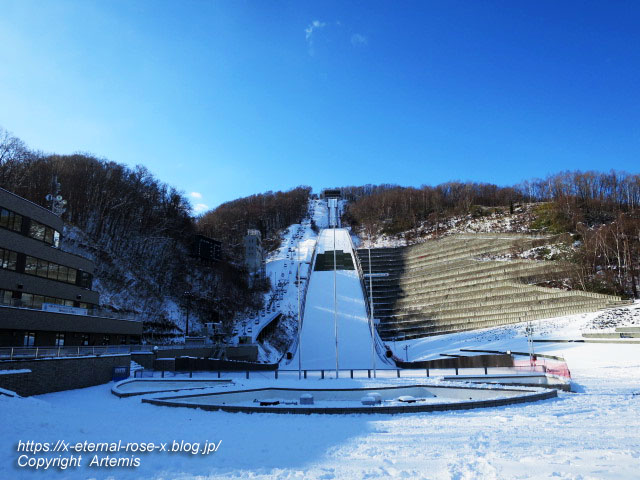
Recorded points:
(396, 399)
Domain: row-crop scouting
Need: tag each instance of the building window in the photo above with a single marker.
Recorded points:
(42, 266)
(8, 259)
(36, 230)
(6, 297)
(53, 271)
(84, 280)
(30, 300)
(37, 301)
(29, 339)
(63, 273)
(26, 300)
(43, 233)
(45, 269)
(59, 339)
(71, 276)
(10, 220)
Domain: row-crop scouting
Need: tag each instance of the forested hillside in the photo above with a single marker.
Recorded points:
(269, 212)
(600, 211)
(137, 229)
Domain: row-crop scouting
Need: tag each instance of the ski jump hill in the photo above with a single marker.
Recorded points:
(317, 349)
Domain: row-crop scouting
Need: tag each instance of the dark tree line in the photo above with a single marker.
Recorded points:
(392, 209)
(268, 212)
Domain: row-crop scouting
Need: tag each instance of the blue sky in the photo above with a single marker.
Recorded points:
(231, 98)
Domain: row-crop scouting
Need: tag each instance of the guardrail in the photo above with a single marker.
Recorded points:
(356, 372)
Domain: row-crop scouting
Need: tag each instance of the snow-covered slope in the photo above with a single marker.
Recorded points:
(497, 221)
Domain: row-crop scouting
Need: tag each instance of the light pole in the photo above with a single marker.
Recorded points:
(371, 326)
(299, 320)
(529, 332)
(188, 296)
(335, 294)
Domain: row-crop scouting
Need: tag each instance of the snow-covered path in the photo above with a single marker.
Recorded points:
(318, 341)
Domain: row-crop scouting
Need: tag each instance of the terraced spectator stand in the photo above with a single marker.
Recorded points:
(466, 282)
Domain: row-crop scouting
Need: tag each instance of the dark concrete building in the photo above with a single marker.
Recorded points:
(205, 248)
(45, 293)
(254, 253)
(331, 193)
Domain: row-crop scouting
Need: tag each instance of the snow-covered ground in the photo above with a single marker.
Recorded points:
(513, 337)
(592, 434)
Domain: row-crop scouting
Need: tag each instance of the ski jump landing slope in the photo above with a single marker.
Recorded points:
(318, 343)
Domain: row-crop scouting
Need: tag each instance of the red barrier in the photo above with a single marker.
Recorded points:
(545, 365)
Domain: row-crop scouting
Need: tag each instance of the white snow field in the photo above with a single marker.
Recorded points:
(592, 434)
(318, 340)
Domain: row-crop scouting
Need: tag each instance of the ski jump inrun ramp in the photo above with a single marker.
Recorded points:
(318, 339)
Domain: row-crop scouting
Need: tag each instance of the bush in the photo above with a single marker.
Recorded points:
(549, 218)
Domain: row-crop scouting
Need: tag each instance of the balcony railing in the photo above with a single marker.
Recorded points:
(90, 312)
(19, 353)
